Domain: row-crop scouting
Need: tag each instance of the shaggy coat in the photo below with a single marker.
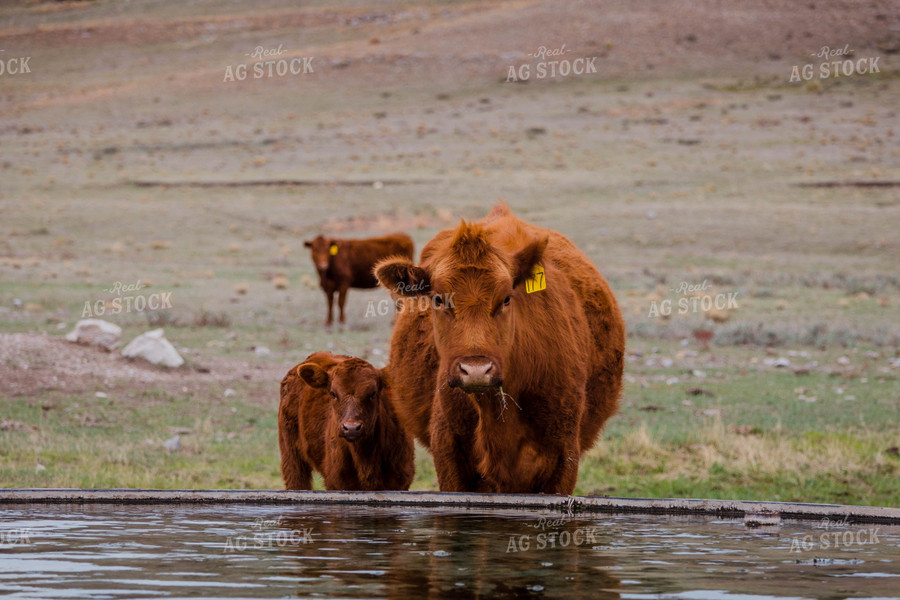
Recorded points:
(336, 417)
(507, 388)
(343, 264)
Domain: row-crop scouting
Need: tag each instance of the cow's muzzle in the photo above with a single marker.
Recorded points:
(351, 430)
(475, 374)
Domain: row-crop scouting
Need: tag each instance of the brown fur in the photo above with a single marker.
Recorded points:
(311, 421)
(558, 354)
(353, 263)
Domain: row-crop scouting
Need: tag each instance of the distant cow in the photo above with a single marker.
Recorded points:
(336, 417)
(512, 381)
(343, 264)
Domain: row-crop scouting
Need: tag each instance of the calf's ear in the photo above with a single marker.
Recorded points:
(308, 244)
(525, 259)
(402, 277)
(314, 375)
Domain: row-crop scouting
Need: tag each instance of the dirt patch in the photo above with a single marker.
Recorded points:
(31, 365)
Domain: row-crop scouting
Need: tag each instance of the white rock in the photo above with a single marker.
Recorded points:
(173, 444)
(229, 393)
(262, 351)
(155, 348)
(96, 331)
(101, 395)
(777, 362)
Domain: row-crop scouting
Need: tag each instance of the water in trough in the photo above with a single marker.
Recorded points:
(241, 551)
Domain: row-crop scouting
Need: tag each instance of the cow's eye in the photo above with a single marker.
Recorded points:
(333, 395)
(507, 300)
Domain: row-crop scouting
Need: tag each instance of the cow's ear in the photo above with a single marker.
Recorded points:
(314, 375)
(400, 276)
(308, 244)
(384, 379)
(525, 259)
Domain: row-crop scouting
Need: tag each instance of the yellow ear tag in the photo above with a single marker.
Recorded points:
(537, 281)
(333, 249)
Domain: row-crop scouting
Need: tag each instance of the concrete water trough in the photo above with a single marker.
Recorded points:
(123, 543)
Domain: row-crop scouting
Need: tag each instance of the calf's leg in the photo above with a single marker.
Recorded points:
(296, 472)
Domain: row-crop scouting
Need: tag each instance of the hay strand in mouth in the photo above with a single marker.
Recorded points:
(503, 396)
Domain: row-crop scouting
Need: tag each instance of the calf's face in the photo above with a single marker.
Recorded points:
(474, 289)
(354, 387)
(322, 249)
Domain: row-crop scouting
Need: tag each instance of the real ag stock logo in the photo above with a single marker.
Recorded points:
(551, 64)
(272, 67)
(694, 299)
(14, 66)
(843, 66)
(126, 300)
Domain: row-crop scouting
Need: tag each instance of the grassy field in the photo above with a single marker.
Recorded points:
(130, 159)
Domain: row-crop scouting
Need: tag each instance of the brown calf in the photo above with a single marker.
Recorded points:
(512, 381)
(336, 417)
(343, 264)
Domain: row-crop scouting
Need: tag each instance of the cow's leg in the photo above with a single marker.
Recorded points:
(564, 476)
(329, 294)
(452, 445)
(296, 472)
(340, 472)
(342, 299)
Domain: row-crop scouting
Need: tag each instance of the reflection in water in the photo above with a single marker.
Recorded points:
(358, 552)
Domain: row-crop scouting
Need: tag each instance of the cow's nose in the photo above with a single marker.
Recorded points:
(475, 373)
(351, 430)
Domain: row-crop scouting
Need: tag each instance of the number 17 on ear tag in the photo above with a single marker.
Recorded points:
(537, 281)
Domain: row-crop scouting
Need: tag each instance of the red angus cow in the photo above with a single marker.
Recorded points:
(336, 417)
(343, 264)
(510, 384)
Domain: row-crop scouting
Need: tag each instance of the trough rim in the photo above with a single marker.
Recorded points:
(528, 502)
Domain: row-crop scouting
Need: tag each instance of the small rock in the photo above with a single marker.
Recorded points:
(229, 393)
(666, 362)
(101, 395)
(97, 332)
(154, 348)
(173, 444)
(779, 362)
(261, 351)
(39, 467)
(843, 360)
